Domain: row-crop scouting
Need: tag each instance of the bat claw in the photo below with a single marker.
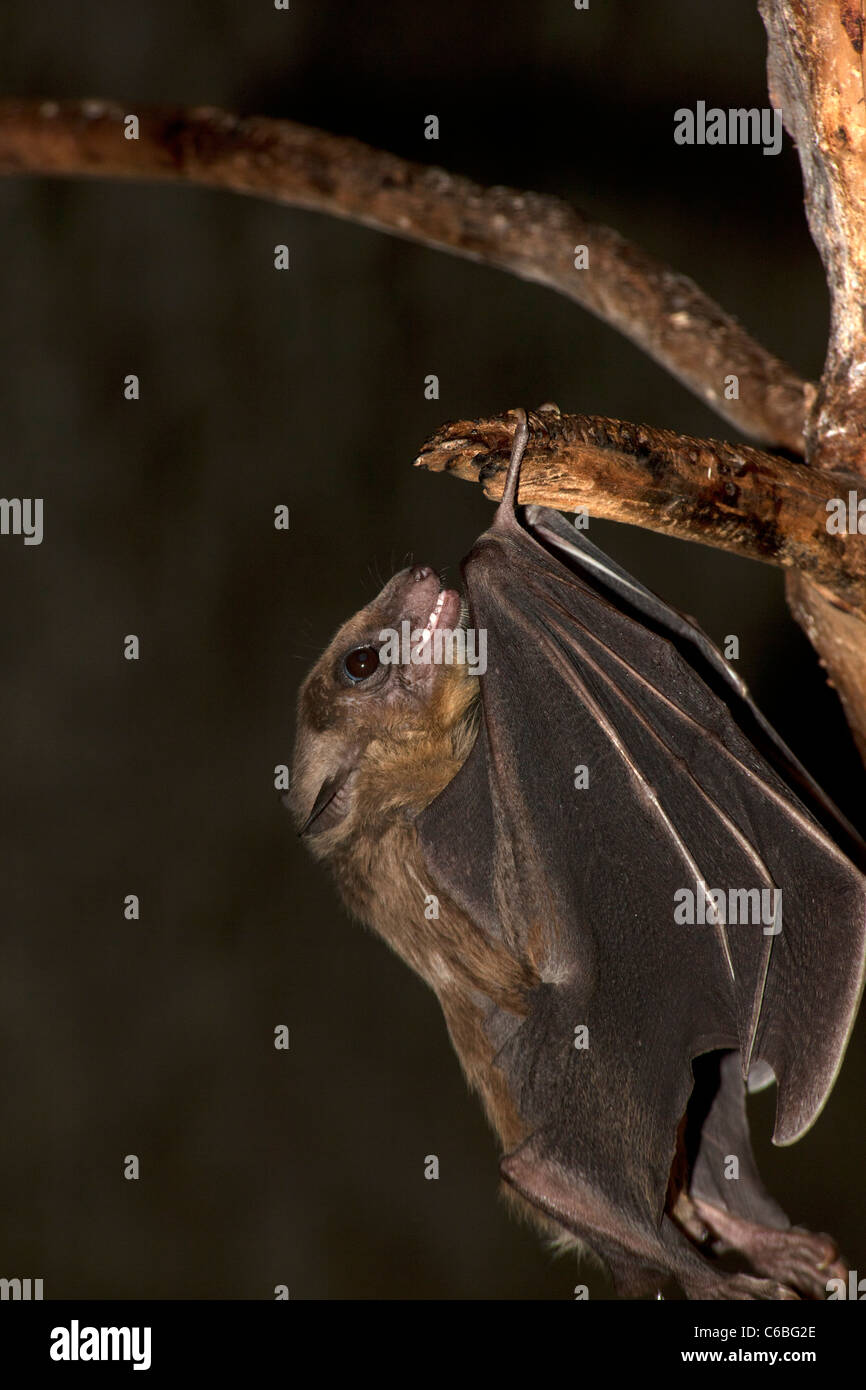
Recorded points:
(465, 445)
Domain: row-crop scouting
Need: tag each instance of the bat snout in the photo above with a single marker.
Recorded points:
(416, 593)
(416, 596)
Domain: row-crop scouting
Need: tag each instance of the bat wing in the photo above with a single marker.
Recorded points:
(619, 761)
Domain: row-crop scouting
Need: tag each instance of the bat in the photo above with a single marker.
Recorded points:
(633, 903)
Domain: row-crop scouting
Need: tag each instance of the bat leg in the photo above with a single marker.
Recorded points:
(796, 1257)
(643, 1259)
(722, 1236)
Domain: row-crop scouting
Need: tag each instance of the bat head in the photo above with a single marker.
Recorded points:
(386, 703)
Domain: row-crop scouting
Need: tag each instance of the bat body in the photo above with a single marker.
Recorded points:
(630, 899)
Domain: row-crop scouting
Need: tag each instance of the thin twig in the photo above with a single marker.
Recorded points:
(531, 236)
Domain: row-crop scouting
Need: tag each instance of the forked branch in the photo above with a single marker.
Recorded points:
(650, 477)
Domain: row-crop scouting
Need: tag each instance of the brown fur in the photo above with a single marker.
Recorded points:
(400, 752)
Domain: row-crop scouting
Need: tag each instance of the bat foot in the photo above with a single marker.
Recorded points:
(800, 1259)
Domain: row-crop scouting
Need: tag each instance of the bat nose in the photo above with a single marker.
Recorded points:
(420, 573)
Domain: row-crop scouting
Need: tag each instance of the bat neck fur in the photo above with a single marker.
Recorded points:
(374, 856)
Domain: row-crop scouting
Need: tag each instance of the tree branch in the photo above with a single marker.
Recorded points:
(731, 496)
(816, 76)
(535, 237)
(815, 65)
(531, 236)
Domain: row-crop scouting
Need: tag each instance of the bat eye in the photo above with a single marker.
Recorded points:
(360, 664)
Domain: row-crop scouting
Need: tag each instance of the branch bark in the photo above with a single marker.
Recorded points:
(531, 236)
(731, 496)
(816, 75)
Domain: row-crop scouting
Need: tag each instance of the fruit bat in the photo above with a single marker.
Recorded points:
(632, 902)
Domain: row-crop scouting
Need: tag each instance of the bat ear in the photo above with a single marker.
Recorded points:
(332, 803)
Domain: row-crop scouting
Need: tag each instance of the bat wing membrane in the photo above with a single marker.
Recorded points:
(588, 670)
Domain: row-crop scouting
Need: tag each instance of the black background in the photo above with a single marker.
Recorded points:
(156, 1038)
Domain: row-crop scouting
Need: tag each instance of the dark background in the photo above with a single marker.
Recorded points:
(156, 777)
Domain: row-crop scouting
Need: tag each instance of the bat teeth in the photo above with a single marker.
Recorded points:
(434, 616)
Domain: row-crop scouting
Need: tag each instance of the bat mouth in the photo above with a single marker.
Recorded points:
(447, 613)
